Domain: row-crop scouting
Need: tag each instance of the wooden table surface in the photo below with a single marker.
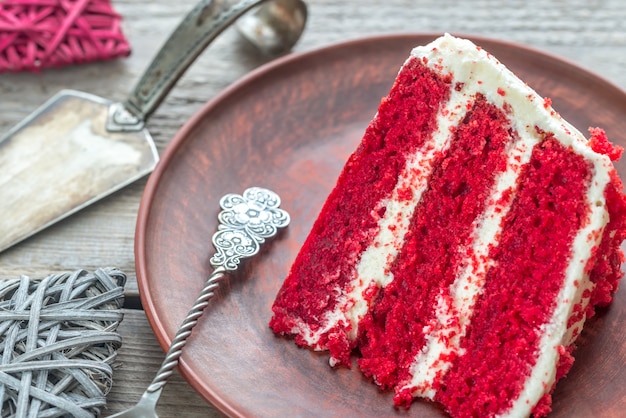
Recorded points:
(590, 33)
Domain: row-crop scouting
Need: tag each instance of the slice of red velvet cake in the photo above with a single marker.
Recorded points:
(466, 241)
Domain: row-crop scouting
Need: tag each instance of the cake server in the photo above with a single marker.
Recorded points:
(78, 148)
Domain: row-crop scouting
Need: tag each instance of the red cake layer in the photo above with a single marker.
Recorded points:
(405, 120)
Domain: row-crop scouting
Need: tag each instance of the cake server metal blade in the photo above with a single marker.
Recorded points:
(61, 159)
(78, 148)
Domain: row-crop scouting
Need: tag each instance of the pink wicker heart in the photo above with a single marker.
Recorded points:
(37, 34)
(58, 340)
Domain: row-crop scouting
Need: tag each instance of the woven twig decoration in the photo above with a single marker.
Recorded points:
(58, 339)
(36, 34)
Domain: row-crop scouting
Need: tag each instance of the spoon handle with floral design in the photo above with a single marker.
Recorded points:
(245, 222)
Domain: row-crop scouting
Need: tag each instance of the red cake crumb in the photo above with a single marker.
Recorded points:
(606, 272)
(547, 102)
(601, 144)
(543, 407)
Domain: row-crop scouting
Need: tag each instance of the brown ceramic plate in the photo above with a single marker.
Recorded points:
(290, 126)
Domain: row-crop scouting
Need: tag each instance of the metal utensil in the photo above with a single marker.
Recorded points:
(78, 148)
(245, 222)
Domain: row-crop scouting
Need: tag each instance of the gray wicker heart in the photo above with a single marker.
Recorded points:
(58, 339)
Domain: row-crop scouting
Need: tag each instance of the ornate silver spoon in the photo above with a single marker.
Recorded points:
(245, 223)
